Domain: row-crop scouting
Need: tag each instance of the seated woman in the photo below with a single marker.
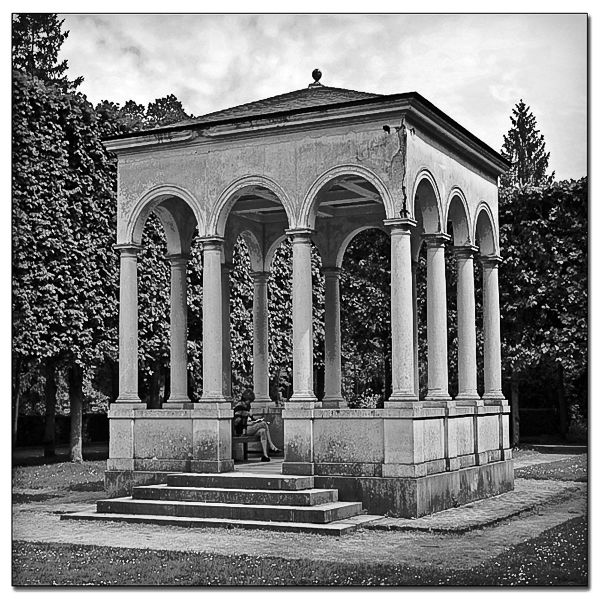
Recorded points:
(245, 423)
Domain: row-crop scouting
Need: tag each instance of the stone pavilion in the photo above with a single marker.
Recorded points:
(319, 165)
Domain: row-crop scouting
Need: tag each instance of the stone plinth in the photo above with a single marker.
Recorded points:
(196, 440)
(405, 460)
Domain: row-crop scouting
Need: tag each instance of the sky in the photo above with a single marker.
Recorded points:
(473, 67)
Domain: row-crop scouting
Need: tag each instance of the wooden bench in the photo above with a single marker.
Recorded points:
(244, 440)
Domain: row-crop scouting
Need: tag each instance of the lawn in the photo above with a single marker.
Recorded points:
(558, 557)
(570, 469)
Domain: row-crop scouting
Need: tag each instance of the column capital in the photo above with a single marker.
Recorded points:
(260, 276)
(400, 226)
(437, 239)
(331, 271)
(301, 235)
(214, 242)
(127, 249)
(466, 251)
(490, 262)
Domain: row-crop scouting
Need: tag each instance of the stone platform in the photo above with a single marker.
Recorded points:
(237, 499)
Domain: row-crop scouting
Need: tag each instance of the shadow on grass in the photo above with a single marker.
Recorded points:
(19, 460)
(559, 557)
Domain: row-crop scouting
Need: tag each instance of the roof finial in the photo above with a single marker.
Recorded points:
(316, 75)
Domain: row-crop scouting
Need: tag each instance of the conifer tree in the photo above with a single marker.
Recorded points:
(525, 148)
(36, 41)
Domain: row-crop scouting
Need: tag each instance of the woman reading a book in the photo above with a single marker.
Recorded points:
(245, 423)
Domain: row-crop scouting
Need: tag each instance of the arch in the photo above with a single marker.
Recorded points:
(228, 197)
(416, 243)
(427, 207)
(307, 215)
(177, 210)
(485, 231)
(270, 253)
(348, 239)
(458, 213)
(255, 250)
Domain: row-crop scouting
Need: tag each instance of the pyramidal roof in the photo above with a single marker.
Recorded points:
(314, 95)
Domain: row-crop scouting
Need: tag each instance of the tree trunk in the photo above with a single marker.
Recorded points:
(563, 413)
(514, 407)
(50, 412)
(76, 406)
(16, 394)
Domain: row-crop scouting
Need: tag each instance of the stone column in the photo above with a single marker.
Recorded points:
(260, 347)
(302, 316)
(128, 325)
(403, 373)
(465, 317)
(415, 265)
(492, 367)
(437, 325)
(225, 297)
(333, 340)
(212, 322)
(179, 393)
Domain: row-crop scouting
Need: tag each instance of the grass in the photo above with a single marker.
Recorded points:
(59, 476)
(570, 469)
(558, 557)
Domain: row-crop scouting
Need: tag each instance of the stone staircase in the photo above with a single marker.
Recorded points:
(236, 499)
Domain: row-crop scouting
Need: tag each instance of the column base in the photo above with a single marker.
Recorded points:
(495, 397)
(437, 397)
(213, 397)
(334, 402)
(182, 402)
(468, 399)
(401, 397)
(129, 402)
(303, 397)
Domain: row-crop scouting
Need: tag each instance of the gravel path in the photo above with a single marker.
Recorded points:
(549, 503)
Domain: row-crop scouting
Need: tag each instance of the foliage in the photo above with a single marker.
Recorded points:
(365, 318)
(543, 281)
(162, 112)
(36, 42)
(154, 300)
(525, 148)
(135, 117)
(64, 275)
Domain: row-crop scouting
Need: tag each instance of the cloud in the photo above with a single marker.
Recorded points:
(474, 67)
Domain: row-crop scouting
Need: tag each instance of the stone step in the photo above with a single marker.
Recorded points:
(240, 480)
(336, 528)
(322, 513)
(310, 497)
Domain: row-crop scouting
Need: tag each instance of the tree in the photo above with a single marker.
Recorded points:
(525, 148)
(164, 111)
(36, 42)
(64, 217)
(543, 286)
(365, 317)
